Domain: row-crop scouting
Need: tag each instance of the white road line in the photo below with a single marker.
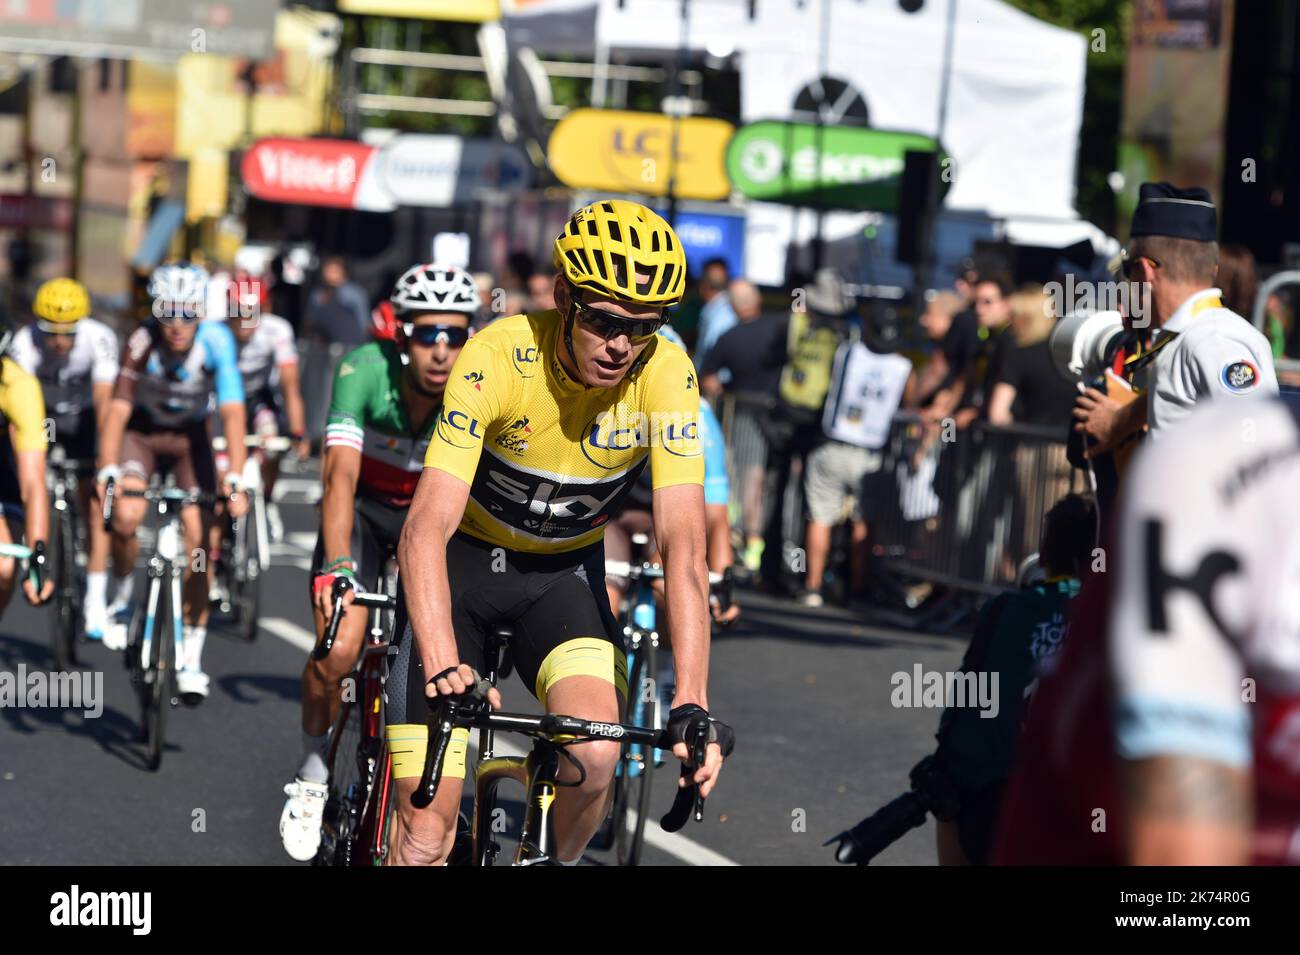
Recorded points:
(305, 541)
(308, 488)
(290, 632)
(673, 843)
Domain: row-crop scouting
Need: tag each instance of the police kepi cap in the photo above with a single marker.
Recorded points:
(828, 295)
(1164, 209)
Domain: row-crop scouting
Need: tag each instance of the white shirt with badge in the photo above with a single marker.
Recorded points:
(1216, 354)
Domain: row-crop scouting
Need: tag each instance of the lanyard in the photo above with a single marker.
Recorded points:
(1142, 359)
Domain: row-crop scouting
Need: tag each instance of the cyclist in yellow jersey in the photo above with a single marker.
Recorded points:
(546, 423)
(24, 502)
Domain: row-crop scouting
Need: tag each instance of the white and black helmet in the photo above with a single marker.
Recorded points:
(435, 288)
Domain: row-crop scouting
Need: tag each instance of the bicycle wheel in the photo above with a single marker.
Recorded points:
(632, 787)
(248, 574)
(157, 674)
(63, 621)
(339, 823)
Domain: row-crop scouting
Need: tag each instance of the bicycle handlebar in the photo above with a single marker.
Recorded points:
(278, 443)
(174, 494)
(359, 598)
(472, 712)
(648, 571)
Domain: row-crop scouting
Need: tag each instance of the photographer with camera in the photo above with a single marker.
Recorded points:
(1017, 633)
(1200, 349)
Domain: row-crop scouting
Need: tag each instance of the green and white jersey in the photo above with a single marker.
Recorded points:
(366, 413)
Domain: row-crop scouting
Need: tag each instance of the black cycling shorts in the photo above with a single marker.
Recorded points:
(557, 607)
(376, 529)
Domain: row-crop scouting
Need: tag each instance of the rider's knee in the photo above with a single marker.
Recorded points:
(599, 759)
(425, 841)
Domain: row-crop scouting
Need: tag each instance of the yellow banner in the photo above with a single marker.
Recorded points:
(469, 11)
(209, 176)
(618, 151)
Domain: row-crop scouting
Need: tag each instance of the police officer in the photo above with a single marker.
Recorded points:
(1200, 349)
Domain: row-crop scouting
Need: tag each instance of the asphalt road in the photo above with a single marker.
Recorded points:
(819, 743)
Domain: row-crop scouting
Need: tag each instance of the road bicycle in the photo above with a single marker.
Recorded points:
(155, 643)
(360, 768)
(649, 682)
(553, 736)
(67, 557)
(246, 547)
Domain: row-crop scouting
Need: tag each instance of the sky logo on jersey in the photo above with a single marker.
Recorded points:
(475, 378)
(542, 506)
(459, 429)
(525, 359)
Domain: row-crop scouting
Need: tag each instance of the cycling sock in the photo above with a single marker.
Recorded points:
(313, 765)
(574, 862)
(96, 588)
(192, 644)
(122, 588)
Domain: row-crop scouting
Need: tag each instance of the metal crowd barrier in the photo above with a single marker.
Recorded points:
(963, 512)
(966, 511)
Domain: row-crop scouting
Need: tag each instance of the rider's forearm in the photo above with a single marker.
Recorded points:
(720, 555)
(686, 579)
(36, 500)
(101, 399)
(110, 436)
(423, 570)
(336, 507)
(294, 408)
(232, 421)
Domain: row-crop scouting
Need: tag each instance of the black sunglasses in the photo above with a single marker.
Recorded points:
(453, 336)
(609, 326)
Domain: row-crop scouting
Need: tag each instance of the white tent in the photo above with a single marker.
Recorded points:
(1015, 97)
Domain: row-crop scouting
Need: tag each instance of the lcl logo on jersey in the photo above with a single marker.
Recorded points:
(609, 438)
(681, 438)
(525, 360)
(459, 429)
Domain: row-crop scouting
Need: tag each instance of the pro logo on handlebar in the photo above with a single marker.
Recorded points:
(610, 730)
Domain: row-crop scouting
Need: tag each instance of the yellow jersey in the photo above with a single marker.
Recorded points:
(23, 407)
(549, 460)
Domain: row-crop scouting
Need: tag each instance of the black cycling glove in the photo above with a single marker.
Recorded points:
(681, 718)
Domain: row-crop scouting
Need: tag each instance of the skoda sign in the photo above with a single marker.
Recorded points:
(831, 167)
(444, 170)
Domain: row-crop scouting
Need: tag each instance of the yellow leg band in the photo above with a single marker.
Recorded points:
(582, 656)
(408, 742)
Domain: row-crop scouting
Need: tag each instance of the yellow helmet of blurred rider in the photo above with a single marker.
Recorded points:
(61, 302)
(608, 246)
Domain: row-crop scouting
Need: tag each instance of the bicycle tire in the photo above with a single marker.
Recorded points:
(248, 604)
(62, 620)
(340, 819)
(632, 788)
(156, 692)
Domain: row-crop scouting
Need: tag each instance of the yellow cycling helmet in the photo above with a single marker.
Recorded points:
(604, 246)
(61, 302)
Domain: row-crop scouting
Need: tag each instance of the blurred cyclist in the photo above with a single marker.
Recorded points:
(74, 358)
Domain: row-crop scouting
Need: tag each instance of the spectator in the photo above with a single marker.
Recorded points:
(338, 311)
(1029, 390)
(716, 314)
(993, 315)
(1016, 635)
(486, 297)
(937, 388)
(794, 427)
(541, 290)
(746, 362)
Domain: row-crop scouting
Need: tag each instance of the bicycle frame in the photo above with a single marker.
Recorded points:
(164, 570)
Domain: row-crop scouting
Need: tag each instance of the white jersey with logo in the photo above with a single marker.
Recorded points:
(1205, 629)
(866, 389)
(1216, 354)
(67, 381)
(260, 358)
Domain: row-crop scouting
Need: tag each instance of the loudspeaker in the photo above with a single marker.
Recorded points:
(917, 206)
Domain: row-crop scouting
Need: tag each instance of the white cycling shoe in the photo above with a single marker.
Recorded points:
(192, 685)
(274, 523)
(300, 821)
(97, 621)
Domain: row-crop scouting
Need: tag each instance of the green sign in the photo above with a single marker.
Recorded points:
(828, 167)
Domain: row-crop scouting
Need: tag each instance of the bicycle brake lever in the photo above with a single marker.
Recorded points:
(341, 586)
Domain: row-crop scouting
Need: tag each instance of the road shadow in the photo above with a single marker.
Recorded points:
(768, 617)
(263, 686)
